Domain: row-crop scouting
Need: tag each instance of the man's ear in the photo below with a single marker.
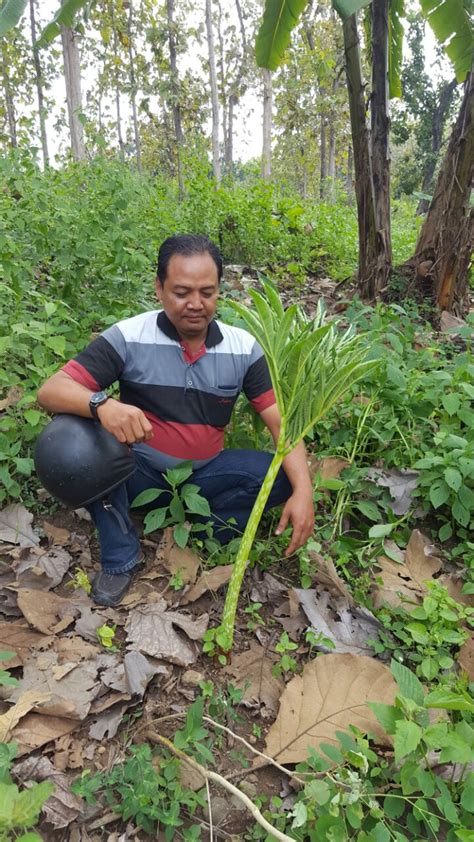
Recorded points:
(158, 288)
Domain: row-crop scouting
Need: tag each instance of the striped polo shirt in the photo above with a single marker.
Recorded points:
(187, 397)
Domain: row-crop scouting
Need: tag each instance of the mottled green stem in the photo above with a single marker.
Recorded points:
(240, 564)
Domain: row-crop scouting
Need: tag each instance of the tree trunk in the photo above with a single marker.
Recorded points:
(216, 163)
(39, 87)
(229, 146)
(380, 157)
(360, 145)
(175, 106)
(323, 160)
(117, 83)
(72, 76)
(9, 103)
(266, 170)
(223, 93)
(133, 88)
(444, 246)
(437, 124)
(349, 175)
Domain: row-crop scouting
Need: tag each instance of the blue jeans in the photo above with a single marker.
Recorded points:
(230, 483)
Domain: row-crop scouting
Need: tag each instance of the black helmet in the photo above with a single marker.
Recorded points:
(78, 461)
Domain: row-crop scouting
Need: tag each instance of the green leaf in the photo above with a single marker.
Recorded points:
(451, 24)
(318, 791)
(451, 402)
(467, 797)
(195, 503)
(460, 513)
(154, 520)
(33, 416)
(407, 738)
(181, 473)
(279, 18)
(177, 510)
(453, 478)
(29, 802)
(146, 497)
(64, 16)
(439, 494)
(181, 535)
(368, 509)
(393, 807)
(10, 14)
(446, 699)
(381, 530)
(409, 685)
(387, 715)
(396, 376)
(345, 8)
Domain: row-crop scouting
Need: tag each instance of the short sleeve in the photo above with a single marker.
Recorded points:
(101, 363)
(257, 383)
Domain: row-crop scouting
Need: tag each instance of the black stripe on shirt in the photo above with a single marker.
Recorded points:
(101, 360)
(184, 406)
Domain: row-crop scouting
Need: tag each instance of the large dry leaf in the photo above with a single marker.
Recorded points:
(39, 568)
(24, 704)
(183, 562)
(20, 639)
(406, 580)
(330, 467)
(15, 526)
(62, 807)
(348, 626)
(454, 586)
(267, 589)
(106, 724)
(8, 597)
(401, 484)
(57, 534)
(324, 573)
(152, 629)
(74, 649)
(139, 671)
(46, 612)
(70, 688)
(331, 694)
(252, 670)
(36, 729)
(211, 581)
(14, 394)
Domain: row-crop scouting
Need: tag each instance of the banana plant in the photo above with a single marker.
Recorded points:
(312, 366)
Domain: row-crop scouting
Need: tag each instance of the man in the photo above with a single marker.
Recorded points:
(180, 373)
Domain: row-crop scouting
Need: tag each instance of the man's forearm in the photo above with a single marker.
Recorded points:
(296, 469)
(62, 394)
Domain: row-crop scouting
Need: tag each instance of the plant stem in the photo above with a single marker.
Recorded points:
(240, 564)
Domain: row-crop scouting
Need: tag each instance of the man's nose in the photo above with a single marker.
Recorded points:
(194, 301)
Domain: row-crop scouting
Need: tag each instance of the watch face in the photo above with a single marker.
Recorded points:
(98, 397)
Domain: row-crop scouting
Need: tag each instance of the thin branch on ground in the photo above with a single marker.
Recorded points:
(208, 775)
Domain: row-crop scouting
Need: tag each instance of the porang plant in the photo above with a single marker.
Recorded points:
(312, 365)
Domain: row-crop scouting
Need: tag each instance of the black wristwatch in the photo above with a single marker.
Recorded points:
(96, 400)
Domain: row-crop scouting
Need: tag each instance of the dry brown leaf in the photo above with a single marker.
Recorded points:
(139, 671)
(19, 638)
(57, 534)
(152, 629)
(325, 574)
(454, 587)
(14, 394)
(62, 807)
(349, 627)
(408, 579)
(466, 658)
(182, 561)
(46, 612)
(15, 526)
(23, 705)
(331, 694)
(69, 693)
(36, 729)
(211, 581)
(401, 484)
(252, 669)
(266, 589)
(330, 467)
(74, 649)
(107, 723)
(38, 568)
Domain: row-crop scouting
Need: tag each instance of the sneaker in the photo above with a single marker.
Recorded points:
(110, 588)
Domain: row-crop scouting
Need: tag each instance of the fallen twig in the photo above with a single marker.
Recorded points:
(208, 775)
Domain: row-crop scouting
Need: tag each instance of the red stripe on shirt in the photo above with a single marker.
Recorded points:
(263, 401)
(81, 375)
(185, 441)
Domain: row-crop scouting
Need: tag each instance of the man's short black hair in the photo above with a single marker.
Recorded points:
(186, 244)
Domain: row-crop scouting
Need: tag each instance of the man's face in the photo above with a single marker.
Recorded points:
(189, 293)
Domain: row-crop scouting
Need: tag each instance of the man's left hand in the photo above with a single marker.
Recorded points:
(299, 511)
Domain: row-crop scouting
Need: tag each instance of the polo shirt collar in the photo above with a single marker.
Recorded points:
(214, 335)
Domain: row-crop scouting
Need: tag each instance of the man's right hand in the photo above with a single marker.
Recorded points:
(127, 423)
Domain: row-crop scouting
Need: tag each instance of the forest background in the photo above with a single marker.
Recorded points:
(361, 196)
